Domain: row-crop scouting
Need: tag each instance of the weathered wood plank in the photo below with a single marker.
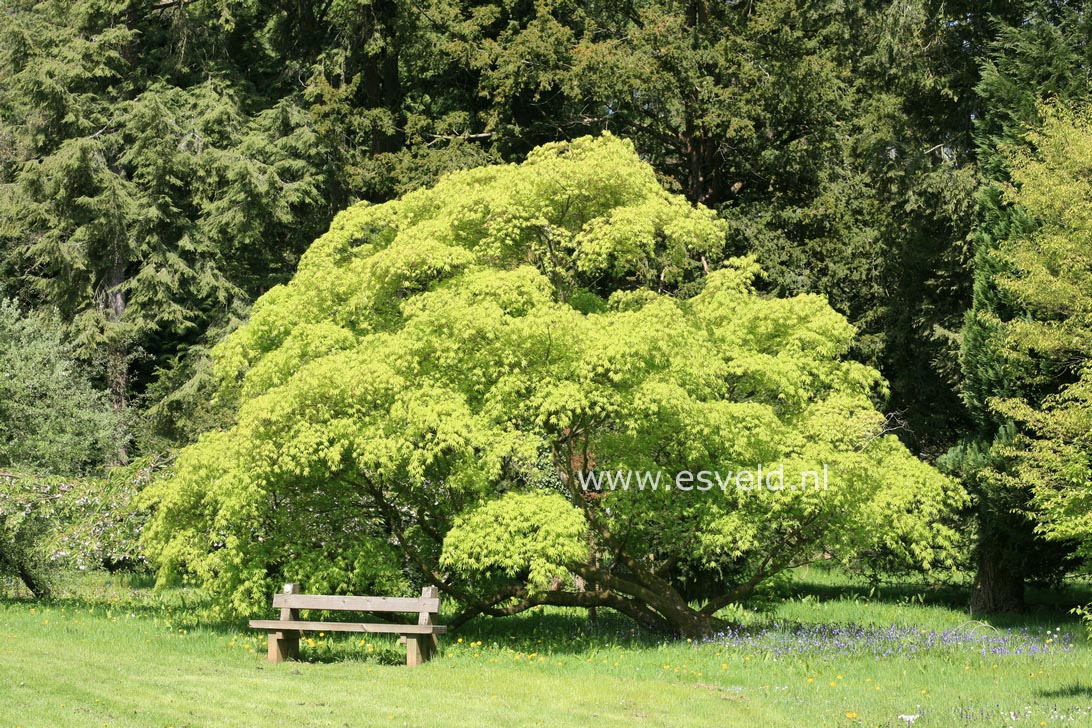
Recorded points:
(301, 626)
(416, 651)
(285, 645)
(356, 604)
(421, 649)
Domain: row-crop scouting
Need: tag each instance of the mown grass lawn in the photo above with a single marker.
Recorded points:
(111, 653)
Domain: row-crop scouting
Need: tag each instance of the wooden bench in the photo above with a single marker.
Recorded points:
(284, 633)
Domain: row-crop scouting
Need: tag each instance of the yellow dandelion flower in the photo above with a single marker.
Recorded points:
(851, 715)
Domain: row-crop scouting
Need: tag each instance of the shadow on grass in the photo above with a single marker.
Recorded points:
(558, 631)
(1044, 604)
(1074, 690)
(339, 652)
(128, 593)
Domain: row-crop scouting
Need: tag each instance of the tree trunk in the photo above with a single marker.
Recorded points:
(701, 185)
(37, 587)
(658, 602)
(667, 615)
(999, 583)
(382, 84)
(697, 146)
(117, 355)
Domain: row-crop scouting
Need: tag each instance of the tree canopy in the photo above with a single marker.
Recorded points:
(428, 393)
(1046, 274)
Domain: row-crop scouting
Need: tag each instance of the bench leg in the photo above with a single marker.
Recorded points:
(284, 646)
(419, 648)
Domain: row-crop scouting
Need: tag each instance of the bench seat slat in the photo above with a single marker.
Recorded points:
(355, 604)
(278, 624)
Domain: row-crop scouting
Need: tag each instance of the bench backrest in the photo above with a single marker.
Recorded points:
(357, 604)
(291, 601)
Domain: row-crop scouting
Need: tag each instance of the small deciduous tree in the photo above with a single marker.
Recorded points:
(430, 393)
(48, 523)
(1048, 276)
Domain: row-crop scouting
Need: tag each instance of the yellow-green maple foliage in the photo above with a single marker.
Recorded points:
(1049, 279)
(423, 399)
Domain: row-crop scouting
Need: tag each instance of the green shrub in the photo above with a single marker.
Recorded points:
(52, 419)
(48, 524)
(26, 511)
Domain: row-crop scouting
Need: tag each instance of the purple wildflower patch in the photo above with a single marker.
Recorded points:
(779, 640)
